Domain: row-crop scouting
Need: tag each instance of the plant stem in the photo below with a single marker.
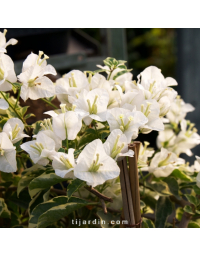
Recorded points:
(110, 74)
(17, 98)
(98, 194)
(146, 176)
(49, 103)
(62, 186)
(21, 118)
(66, 140)
(142, 180)
(185, 220)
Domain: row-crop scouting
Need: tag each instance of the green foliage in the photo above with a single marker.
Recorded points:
(146, 223)
(42, 182)
(164, 208)
(4, 212)
(152, 46)
(51, 211)
(74, 186)
(181, 175)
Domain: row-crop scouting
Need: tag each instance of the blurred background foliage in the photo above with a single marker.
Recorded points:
(148, 46)
(156, 46)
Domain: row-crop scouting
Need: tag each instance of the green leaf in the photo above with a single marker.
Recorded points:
(76, 153)
(51, 98)
(121, 62)
(188, 209)
(56, 213)
(4, 212)
(43, 207)
(160, 187)
(44, 181)
(28, 175)
(17, 85)
(105, 219)
(21, 201)
(14, 220)
(122, 66)
(61, 150)
(110, 62)
(193, 224)
(180, 175)
(197, 211)
(36, 127)
(6, 176)
(163, 210)
(85, 139)
(193, 200)
(146, 223)
(142, 205)
(173, 186)
(100, 70)
(28, 116)
(2, 122)
(23, 110)
(121, 73)
(74, 186)
(196, 189)
(41, 197)
(149, 201)
(49, 212)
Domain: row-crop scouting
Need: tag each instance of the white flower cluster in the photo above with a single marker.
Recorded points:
(88, 100)
(179, 136)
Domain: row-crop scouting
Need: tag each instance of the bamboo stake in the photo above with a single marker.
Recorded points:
(137, 143)
(128, 193)
(128, 212)
(134, 181)
(125, 213)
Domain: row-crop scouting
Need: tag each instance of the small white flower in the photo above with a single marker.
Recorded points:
(71, 84)
(98, 81)
(178, 110)
(163, 163)
(94, 166)
(144, 154)
(150, 108)
(14, 129)
(127, 121)
(67, 125)
(7, 73)
(166, 139)
(116, 145)
(40, 150)
(120, 79)
(94, 104)
(7, 154)
(153, 74)
(3, 43)
(186, 139)
(64, 164)
(47, 129)
(34, 84)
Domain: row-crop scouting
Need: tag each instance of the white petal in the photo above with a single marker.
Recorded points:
(49, 69)
(8, 162)
(3, 104)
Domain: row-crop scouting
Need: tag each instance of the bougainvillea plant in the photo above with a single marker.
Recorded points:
(54, 172)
